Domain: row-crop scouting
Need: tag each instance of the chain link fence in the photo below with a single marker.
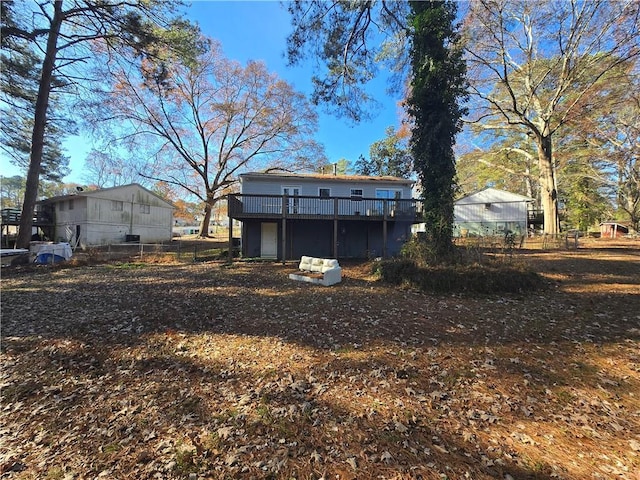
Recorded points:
(174, 251)
(510, 241)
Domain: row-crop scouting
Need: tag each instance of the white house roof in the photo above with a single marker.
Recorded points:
(102, 191)
(330, 177)
(492, 195)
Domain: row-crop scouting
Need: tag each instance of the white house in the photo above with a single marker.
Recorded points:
(110, 215)
(491, 212)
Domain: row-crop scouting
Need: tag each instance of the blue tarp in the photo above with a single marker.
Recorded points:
(48, 258)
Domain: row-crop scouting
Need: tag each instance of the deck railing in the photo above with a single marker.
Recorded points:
(535, 216)
(11, 216)
(306, 207)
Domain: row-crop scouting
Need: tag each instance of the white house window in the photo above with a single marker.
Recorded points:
(145, 208)
(117, 205)
(356, 192)
(291, 191)
(388, 193)
(71, 204)
(324, 192)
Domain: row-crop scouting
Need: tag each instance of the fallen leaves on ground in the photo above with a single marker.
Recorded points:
(208, 371)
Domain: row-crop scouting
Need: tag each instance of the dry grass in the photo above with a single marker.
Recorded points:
(160, 370)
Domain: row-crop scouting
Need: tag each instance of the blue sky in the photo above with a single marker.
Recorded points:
(257, 30)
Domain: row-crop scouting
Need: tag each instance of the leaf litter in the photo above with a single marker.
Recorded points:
(206, 371)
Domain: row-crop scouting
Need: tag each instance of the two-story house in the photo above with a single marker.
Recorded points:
(285, 216)
(110, 215)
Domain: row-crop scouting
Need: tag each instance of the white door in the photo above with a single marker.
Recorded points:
(269, 240)
(292, 198)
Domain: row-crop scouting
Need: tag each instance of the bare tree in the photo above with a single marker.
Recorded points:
(616, 135)
(69, 34)
(107, 169)
(212, 119)
(534, 64)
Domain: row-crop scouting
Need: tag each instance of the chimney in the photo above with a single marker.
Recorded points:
(335, 169)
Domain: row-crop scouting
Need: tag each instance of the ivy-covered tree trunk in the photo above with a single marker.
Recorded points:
(437, 87)
(40, 122)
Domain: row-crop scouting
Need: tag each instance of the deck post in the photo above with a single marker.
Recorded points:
(384, 229)
(284, 240)
(230, 235)
(285, 206)
(335, 228)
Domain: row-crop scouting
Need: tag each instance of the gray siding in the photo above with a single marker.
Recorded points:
(490, 212)
(107, 216)
(315, 238)
(311, 186)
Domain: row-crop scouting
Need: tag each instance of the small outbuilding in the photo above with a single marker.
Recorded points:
(491, 212)
(612, 230)
(128, 213)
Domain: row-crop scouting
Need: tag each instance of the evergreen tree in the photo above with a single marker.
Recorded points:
(19, 80)
(343, 36)
(437, 88)
(70, 33)
(388, 156)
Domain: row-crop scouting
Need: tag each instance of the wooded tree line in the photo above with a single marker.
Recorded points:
(547, 91)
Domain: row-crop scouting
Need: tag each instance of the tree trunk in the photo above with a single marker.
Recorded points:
(39, 126)
(528, 181)
(548, 192)
(204, 224)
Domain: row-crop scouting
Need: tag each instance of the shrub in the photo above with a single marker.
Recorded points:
(397, 271)
(450, 278)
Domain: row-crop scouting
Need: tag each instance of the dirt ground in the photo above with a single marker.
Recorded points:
(160, 370)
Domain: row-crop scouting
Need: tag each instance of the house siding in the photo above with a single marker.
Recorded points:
(309, 186)
(309, 236)
(324, 237)
(491, 212)
(315, 238)
(140, 213)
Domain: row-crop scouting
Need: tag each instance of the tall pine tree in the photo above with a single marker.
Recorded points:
(19, 79)
(72, 32)
(437, 90)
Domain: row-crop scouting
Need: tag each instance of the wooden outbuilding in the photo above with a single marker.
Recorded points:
(613, 230)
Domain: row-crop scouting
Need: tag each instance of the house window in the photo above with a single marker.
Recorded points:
(356, 192)
(117, 205)
(145, 208)
(291, 191)
(61, 206)
(324, 192)
(388, 193)
(70, 204)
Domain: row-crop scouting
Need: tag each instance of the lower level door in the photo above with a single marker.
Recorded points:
(269, 240)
